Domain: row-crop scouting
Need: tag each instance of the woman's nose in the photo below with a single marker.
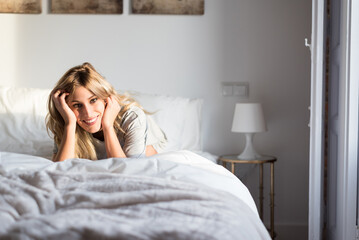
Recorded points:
(87, 111)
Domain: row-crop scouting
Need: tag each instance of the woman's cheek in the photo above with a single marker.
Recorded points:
(102, 106)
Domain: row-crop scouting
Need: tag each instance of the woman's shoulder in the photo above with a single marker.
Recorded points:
(134, 110)
(134, 113)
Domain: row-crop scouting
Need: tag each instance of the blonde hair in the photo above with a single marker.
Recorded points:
(86, 76)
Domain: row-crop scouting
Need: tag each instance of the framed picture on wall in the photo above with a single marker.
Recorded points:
(87, 6)
(181, 7)
(20, 6)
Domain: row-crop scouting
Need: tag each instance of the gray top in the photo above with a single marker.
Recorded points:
(140, 131)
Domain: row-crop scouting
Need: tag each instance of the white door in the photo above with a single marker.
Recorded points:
(340, 211)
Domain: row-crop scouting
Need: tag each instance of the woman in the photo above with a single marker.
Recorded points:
(90, 120)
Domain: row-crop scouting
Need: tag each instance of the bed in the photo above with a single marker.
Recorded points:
(179, 194)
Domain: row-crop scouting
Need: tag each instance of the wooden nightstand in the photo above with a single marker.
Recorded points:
(232, 159)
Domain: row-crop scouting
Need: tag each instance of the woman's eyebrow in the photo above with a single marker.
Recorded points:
(88, 98)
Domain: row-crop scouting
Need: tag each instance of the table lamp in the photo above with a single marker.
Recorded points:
(248, 119)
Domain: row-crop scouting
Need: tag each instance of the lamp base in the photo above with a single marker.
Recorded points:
(245, 156)
(249, 153)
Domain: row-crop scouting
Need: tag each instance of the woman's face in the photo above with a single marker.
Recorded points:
(88, 109)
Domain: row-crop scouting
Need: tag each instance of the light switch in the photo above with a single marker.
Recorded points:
(235, 89)
(227, 90)
(240, 90)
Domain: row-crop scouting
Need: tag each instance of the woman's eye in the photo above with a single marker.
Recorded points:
(93, 100)
(77, 105)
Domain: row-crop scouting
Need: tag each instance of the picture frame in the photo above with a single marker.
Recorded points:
(20, 6)
(87, 6)
(176, 7)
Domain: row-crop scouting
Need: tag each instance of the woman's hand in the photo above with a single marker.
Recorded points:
(111, 111)
(59, 99)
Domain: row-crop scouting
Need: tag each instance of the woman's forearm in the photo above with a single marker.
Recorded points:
(67, 146)
(113, 146)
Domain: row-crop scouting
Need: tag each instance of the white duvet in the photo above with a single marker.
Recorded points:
(174, 195)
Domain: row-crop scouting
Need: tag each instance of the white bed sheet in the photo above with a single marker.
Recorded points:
(173, 195)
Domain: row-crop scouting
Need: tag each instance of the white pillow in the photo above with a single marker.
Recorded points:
(23, 112)
(22, 124)
(191, 135)
(179, 118)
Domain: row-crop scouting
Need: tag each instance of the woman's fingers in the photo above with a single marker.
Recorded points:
(59, 99)
(114, 102)
(63, 97)
(109, 101)
(111, 111)
(55, 95)
(60, 96)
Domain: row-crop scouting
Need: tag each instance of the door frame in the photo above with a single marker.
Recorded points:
(348, 120)
(347, 158)
(316, 149)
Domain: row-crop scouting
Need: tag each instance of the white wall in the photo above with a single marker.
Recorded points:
(260, 42)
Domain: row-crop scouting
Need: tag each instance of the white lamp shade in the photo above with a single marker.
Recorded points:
(248, 118)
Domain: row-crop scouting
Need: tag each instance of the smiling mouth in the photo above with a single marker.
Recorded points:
(90, 121)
